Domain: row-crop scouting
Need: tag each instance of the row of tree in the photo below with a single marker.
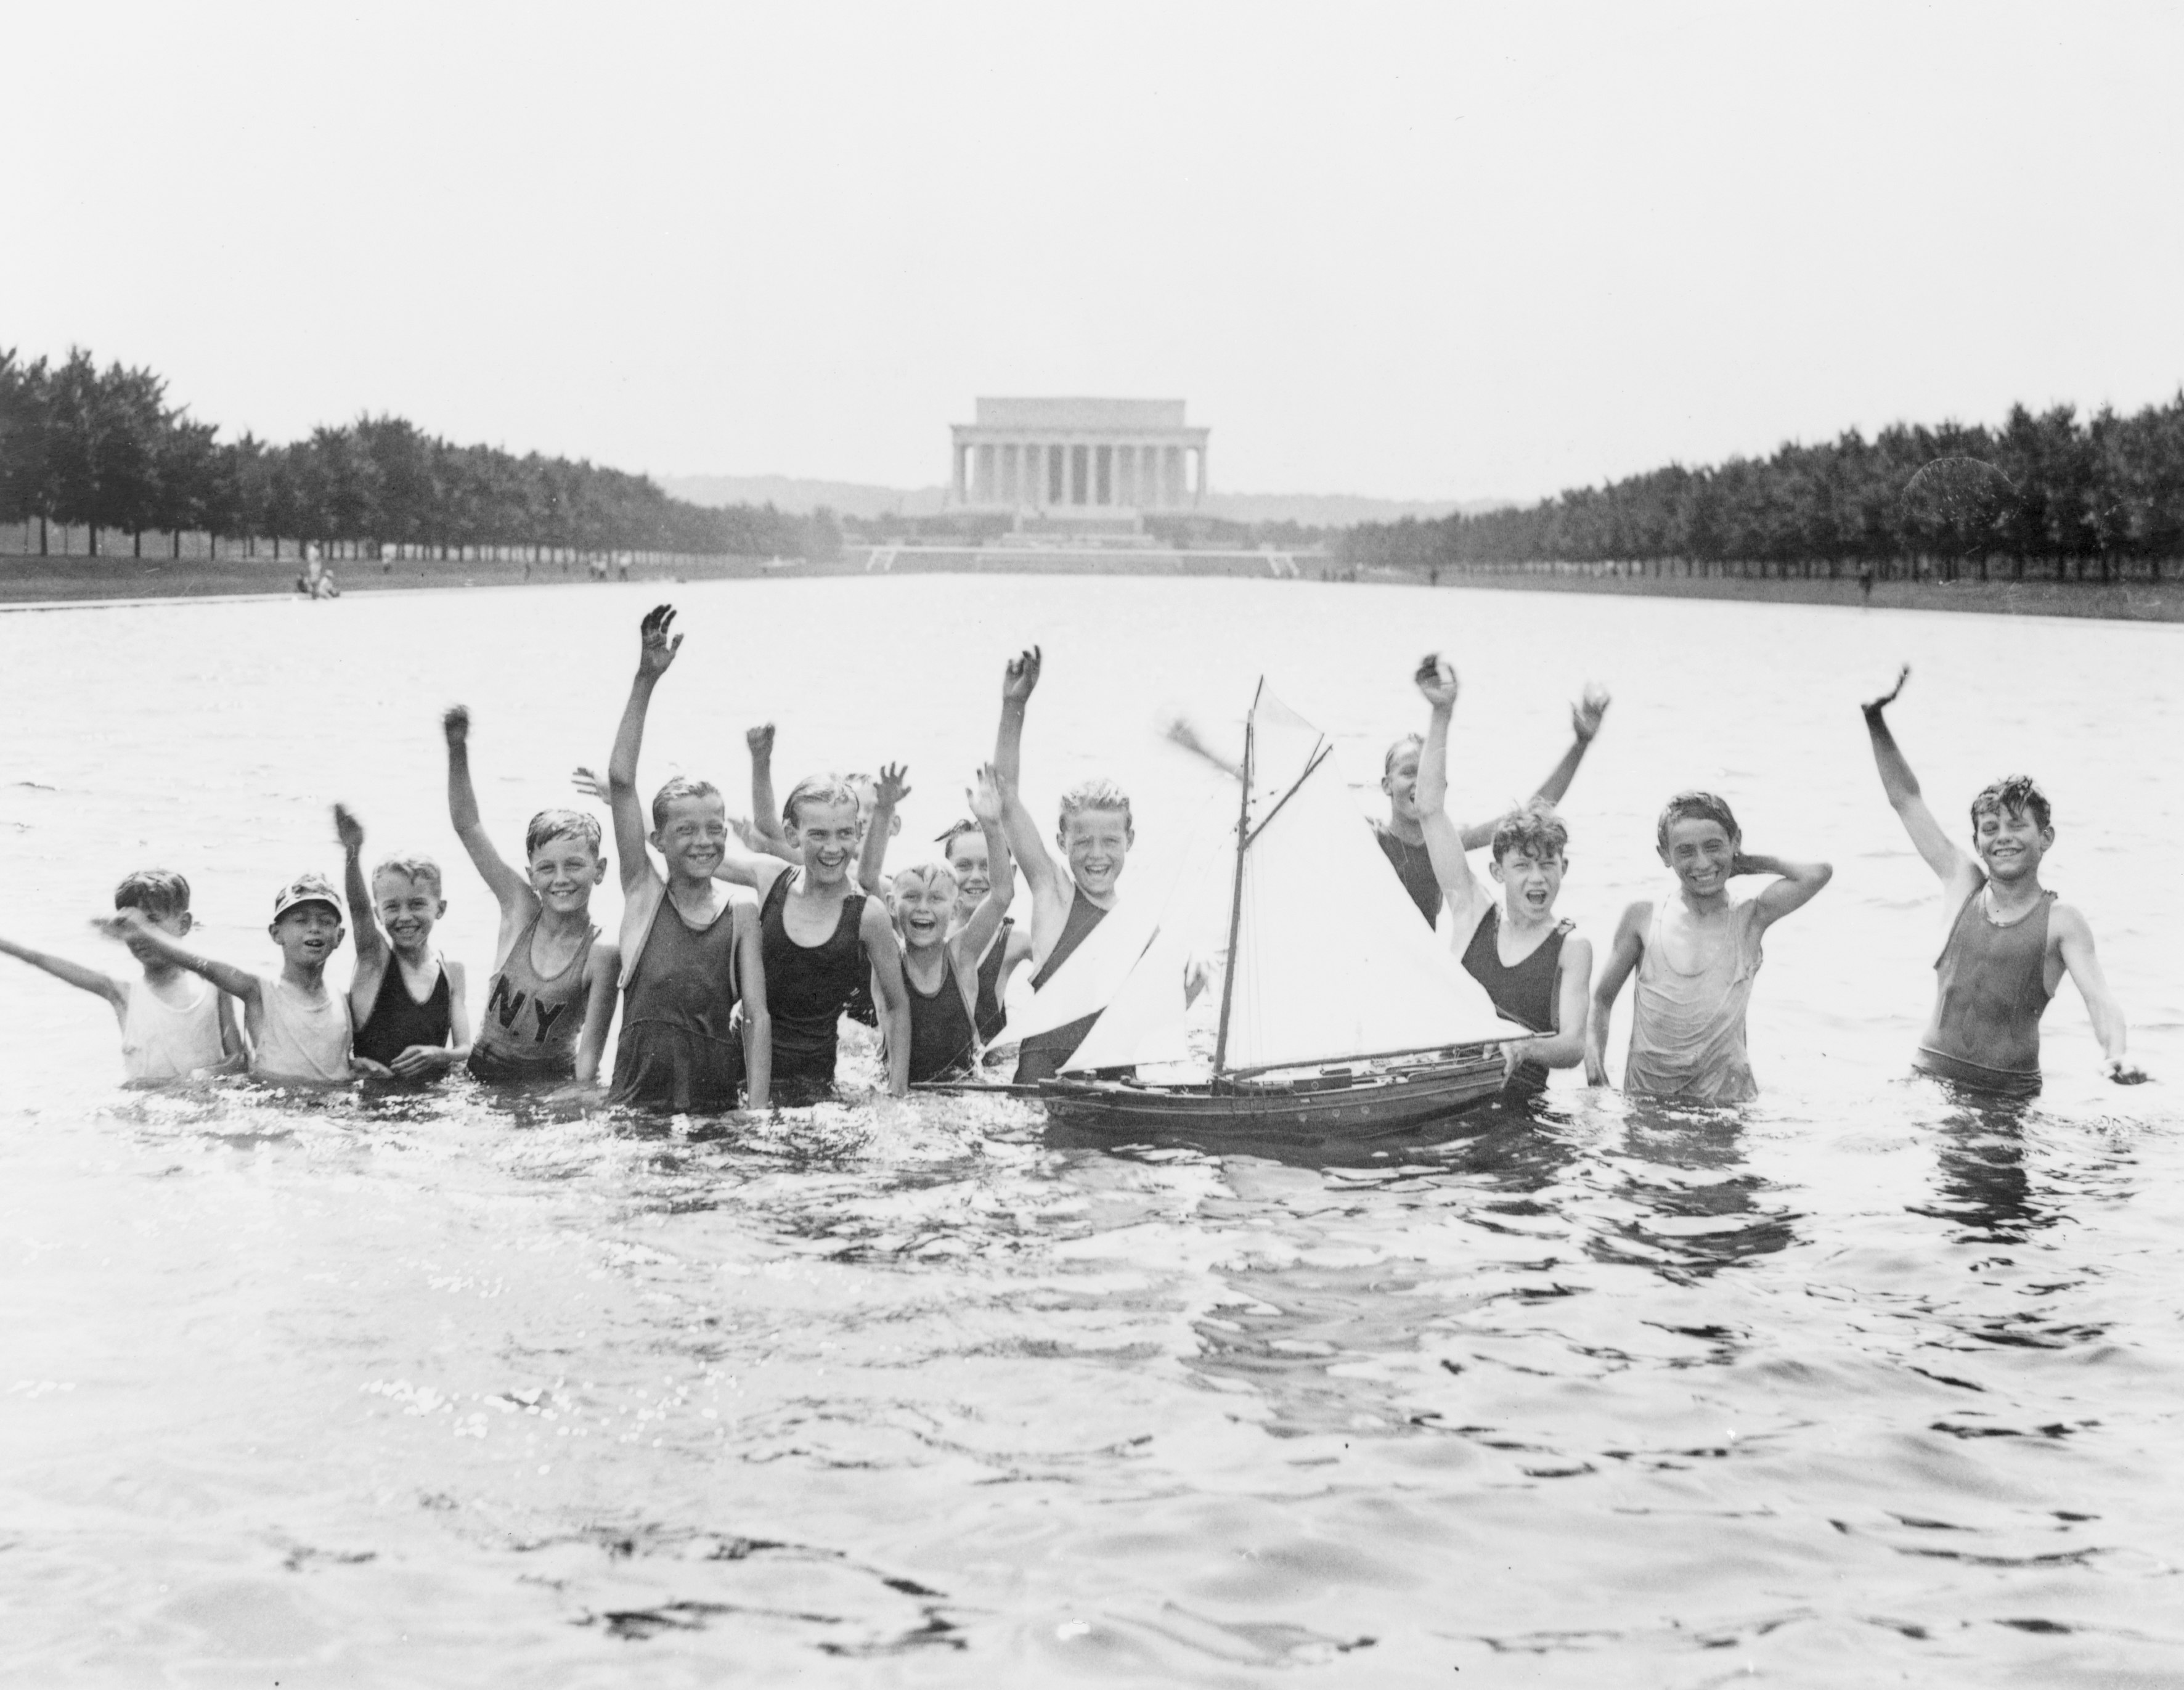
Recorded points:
(103, 448)
(2067, 498)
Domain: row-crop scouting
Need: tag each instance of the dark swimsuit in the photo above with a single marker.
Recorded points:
(992, 1017)
(944, 1043)
(1524, 993)
(678, 1050)
(398, 1020)
(1041, 1056)
(1413, 867)
(807, 988)
(1992, 989)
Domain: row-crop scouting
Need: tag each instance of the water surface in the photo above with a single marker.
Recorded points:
(1856, 1383)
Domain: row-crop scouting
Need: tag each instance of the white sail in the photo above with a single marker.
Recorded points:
(1331, 959)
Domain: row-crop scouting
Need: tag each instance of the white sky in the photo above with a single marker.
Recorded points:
(1430, 251)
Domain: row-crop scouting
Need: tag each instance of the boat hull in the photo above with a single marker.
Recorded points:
(1404, 1100)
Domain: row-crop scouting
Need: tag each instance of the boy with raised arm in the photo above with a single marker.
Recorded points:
(1697, 953)
(407, 999)
(690, 950)
(2009, 939)
(1402, 835)
(552, 996)
(1529, 961)
(172, 1028)
(299, 1030)
(1072, 895)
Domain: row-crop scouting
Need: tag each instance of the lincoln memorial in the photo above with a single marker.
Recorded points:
(1126, 455)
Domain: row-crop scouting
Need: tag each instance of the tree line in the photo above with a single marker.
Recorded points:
(105, 450)
(2062, 498)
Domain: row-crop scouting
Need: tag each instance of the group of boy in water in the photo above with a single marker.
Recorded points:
(743, 946)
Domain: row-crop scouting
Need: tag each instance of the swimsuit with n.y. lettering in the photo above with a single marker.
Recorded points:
(532, 1021)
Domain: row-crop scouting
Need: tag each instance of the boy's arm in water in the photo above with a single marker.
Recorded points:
(2075, 939)
(128, 925)
(1585, 724)
(1799, 885)
(1461, 891)
(871, 862)
(602, 970)
(758, 1019)
(1952, 864)
(656, 653)
(115, 991)
(509, 889)
(766, 813)
(888, 993)
(1624, 952)
(372, 948)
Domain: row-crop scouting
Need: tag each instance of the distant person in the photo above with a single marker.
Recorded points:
(1073, 894)
(173, 1027)
(407, 1001)
(1530, 961)
(2008, 940)
(1865, 581)
(551, 1000)
(940, 956)
(621, 561)
(299, 1030)
(691, 953)
(315, 583)
(1697, 953)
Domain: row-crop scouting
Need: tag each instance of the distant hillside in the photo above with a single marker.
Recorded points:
(799, 496)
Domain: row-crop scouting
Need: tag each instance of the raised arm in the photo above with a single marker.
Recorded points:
(1018, 681)
(372, 945)
(1467, 898)
(655, 653)
(871, 862)
(511, 890)
(2079, 957)
(75, 973)
(889, 995)
(1585, 724)
(1952, 864)
(1800, 882)
(978, 933)
(1020, 832)
(1622, 954)
(131, 928)
(766, 813)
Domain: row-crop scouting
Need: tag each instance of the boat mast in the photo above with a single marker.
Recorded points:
(1236, 898)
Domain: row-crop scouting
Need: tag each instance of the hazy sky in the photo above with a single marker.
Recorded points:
(1424, 251)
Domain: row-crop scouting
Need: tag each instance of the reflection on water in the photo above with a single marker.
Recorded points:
(438, 1387)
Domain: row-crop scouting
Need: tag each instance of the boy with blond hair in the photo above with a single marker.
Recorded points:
(407, 999)
(172, 1028)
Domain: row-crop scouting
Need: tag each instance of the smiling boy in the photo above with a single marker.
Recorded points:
(551, 1000)
(2009, 941)
(1072, 895)
(299, 1031)
(1697, 953)
(406, 999)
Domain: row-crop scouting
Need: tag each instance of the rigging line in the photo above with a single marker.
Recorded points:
(1236, 898)
(1320, 754)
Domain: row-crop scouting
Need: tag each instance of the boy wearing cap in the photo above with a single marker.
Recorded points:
(299, 1031)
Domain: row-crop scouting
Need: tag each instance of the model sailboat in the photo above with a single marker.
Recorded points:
(1338, 1014)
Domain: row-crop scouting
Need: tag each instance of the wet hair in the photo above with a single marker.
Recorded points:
(820, 788)
(956, 831)
(678, 789)
(1534, 829)
(1100, 794)
(1409, 742)
(2014, 792)
(1696, 806)
(156, 891)
(554, 824)
(924, 874)
(410, 868)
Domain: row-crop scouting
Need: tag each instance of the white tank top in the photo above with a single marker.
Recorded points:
(1687, 1029)
(299, 1038)
(162, 1042)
